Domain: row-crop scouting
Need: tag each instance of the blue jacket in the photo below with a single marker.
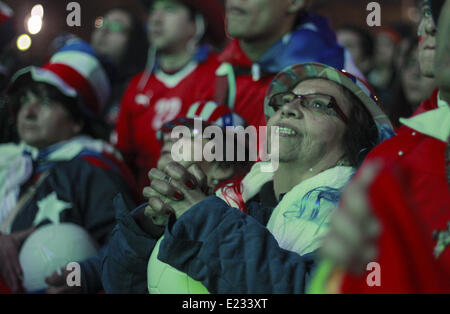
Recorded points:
(125, 259)
(231, 252)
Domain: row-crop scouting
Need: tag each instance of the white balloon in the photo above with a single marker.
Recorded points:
(50, 248)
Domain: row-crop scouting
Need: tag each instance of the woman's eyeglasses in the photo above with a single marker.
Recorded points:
(321, 103)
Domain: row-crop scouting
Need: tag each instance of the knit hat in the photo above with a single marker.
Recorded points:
(214, 14)
(209, 113)
(75, 71)
(293, 75)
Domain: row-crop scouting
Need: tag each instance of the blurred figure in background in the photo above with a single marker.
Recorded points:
(181, 70)
(8, 64)
(120, 40)
(360, 43)
(7, 33)
(383, 74)
(59, 172)
(411, 88)
(397, 211)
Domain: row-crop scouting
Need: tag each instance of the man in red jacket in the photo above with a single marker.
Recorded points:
(397, 212)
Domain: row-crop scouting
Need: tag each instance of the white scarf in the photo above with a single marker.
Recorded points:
(296, 223)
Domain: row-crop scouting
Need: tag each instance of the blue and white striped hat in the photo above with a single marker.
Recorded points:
(77, 72)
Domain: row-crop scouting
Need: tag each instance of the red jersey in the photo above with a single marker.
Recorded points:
(163, 98)
(411, 200)
(247, 98)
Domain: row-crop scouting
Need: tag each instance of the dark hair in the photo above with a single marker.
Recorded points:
(244, 165)
(366, 38)
(135, 57)
(91, 126)
(361, 135)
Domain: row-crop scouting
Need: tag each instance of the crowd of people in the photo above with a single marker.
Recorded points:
(362, 130)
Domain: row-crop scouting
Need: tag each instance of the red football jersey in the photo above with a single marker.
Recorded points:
(250, 92)
(163, 98)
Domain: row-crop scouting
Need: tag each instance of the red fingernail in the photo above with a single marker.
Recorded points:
(178, 196)
(190, 184)
(169, 212)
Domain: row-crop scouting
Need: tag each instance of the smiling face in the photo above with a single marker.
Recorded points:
(171, 26)
(309, 136)
(354, 43)
(384, 49)
(42, 122)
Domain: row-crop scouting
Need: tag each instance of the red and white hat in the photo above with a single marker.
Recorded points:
(77, 72)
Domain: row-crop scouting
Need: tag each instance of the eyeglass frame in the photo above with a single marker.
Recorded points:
(105, 23)
(333, 103)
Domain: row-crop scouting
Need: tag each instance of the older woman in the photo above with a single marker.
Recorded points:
(327, 121)
(120, 38)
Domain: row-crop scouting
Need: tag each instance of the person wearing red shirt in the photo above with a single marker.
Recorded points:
(397, 211)
(267, 37)
(179, 73)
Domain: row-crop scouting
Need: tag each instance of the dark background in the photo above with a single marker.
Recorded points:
(339, 12)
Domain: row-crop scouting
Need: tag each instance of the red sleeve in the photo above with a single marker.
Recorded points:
(405, 247)
(124, 123)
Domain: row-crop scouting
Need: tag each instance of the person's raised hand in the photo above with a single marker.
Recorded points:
(174, 190)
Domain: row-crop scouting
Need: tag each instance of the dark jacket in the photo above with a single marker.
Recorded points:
(227, 250)
(231, 252)
(85, 192)
(125, 260)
